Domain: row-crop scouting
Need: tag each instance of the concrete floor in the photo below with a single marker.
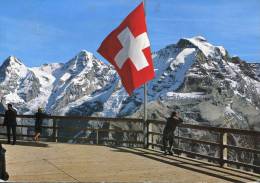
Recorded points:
(50, 162)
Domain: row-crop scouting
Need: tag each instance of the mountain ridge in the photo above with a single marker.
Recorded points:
(183, 67)
(199, 80)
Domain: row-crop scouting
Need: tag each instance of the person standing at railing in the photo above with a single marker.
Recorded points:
(10, 123)
(168, 133)
(39, 116)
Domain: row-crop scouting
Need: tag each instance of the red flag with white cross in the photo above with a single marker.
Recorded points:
(128, 49)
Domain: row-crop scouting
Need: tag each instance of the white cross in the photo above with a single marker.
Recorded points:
(133, 49)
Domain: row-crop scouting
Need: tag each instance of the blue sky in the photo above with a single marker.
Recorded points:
(45, 31)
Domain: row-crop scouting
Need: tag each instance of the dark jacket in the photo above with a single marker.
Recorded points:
(3, 174)
(10, 117)
(171, 124)
(39, 117)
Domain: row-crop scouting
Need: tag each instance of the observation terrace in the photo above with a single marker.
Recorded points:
(106, 156)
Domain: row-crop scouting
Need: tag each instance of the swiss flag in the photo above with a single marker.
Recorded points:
(128, 49)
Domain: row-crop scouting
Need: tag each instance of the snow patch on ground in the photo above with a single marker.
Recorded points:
(180, 96)
(13, 98)
(65, 77)
(207, 66)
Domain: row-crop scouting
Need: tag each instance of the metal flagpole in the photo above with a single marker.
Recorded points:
(145, 125)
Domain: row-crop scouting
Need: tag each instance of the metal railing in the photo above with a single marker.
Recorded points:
(65, 128)
(112, 132)
(221, 144)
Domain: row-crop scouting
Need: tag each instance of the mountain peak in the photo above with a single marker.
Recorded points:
(202, 44)
(82, 60)
(12, 68)
(12, 60)
(85, 54)
(198, 38)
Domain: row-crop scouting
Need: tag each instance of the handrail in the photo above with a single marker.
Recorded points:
(221, 142)
(87, 118)
(139, 120)
(220, 129)
(211, 128)
(55, 128)
(77, 128)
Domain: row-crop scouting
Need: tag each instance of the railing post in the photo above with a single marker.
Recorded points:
(178, 141)
(152, 141)
(257, 156)
(149, 136)
(55, 131)
(21, 129)
(97, 140)
(144, 134)
(223, 149)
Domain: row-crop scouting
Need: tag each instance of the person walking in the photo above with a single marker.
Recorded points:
(10, 123)
(168, 133)
(39, 116)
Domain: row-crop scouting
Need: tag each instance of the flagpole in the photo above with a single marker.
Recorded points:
(145, 102)
(145, 126)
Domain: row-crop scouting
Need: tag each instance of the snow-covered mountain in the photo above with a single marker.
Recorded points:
(200, 80)
(192, 72)
(55, 87)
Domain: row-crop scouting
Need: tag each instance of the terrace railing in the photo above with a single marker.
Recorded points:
(221, 138)
(81, 129)
(130, 132)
